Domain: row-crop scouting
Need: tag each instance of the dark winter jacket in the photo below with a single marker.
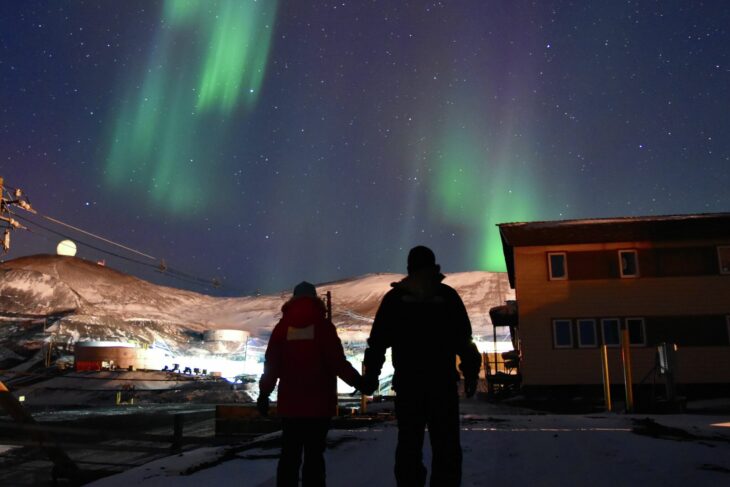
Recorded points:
(427, 326)
(306, 356)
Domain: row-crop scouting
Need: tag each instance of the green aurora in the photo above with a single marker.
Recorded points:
(206, 72)
(208, 66)
(479, 181)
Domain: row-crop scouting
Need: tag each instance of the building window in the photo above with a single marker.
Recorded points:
(558, 266)
(587, 333)
(723, 255)
(563, 333)
(610, 332)
(637, 331)
(628, 263)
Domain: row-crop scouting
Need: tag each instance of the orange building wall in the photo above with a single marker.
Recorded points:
(541, 300)
(90, 358)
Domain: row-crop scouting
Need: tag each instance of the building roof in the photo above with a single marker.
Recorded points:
(626, 229)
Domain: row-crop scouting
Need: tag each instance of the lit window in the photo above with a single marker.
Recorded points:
(562, 334)
(629, 263)
(637, 332)
(558, 267)
(610, 332)
(587, 333)
(723, 255)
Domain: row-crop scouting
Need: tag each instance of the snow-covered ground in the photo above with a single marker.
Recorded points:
(499, 449)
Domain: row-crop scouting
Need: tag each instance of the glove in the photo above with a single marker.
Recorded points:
(262, 405)
(471, 362)
(369, 384)
(470, 385)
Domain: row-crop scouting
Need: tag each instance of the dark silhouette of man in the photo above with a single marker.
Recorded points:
(306, 356)
(426, 324)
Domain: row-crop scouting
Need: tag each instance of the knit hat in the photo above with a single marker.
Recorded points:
(420, 258)
(305, 289)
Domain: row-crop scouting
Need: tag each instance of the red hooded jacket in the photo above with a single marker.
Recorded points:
(306, 356)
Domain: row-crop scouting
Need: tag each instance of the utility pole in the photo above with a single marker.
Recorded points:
(3, 211)
(7, 222)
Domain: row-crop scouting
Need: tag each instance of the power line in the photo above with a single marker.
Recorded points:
(85, 244)
(18, 199)
(162, 269)
(129, 249)
(26, 206)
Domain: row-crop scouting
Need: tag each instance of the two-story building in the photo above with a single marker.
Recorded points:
(577, 282)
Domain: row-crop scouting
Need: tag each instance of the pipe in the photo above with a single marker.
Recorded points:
(606, 378)
(626, 360)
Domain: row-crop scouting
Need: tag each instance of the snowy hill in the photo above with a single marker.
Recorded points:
(100, 303)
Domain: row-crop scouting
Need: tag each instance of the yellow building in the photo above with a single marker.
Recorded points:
(577, 282)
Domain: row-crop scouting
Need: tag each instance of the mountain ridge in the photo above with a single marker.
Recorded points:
(102, 303)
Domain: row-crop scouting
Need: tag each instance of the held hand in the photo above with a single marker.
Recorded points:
(369, 385)
(357, 385)
(262, 405)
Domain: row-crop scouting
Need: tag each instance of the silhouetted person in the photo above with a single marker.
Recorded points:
(306, 356)
(426, 324)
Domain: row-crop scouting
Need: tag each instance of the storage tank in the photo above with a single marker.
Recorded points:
(96, 355)
(225, 336)
(226, 341)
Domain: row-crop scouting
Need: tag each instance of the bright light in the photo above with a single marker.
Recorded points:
(66, 247)
(229, 368)
(488, 346)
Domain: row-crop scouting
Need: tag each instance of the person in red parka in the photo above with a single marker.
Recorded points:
(305, 355)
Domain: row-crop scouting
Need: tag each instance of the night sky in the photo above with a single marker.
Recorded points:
(265, 142)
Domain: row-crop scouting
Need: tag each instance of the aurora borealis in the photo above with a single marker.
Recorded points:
(208, 59)
(265, 142)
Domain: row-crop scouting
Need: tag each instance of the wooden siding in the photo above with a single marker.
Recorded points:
(668, 262)
(688, 331)
(541, 300)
